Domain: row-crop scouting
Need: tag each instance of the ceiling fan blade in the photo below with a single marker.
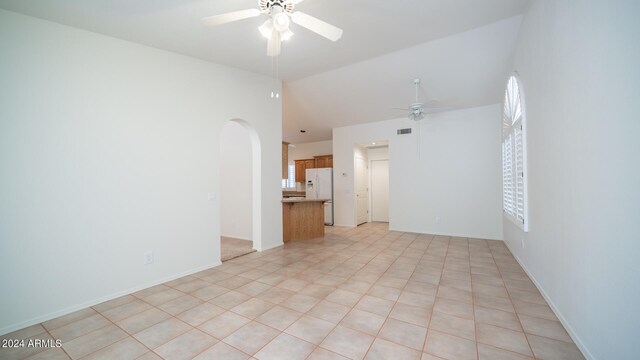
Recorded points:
(294, 2)
(230, 17)
(273, 46)
(317, 26)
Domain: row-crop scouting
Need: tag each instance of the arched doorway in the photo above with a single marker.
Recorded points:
(240, 220)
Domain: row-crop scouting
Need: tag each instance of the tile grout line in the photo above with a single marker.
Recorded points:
(437, 291)
(352, 307)
(301, 262)
(157, 308)
(473, 303)
(283, 331)
(514, 307)
(394, 304)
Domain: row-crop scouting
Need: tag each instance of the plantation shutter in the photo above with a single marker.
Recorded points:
(519, 174)
(290, 181)
(292, 176)
(513, 157)
(507, 176)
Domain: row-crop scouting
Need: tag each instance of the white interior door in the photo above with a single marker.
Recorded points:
(380, 190)
(362, 191)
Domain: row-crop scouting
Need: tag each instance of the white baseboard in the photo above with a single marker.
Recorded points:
(343, 225)
(69, 310)
(576, 339)
(281, 243)
(235, 237)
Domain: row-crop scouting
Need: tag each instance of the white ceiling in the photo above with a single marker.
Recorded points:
(460, 71)
(372, 28)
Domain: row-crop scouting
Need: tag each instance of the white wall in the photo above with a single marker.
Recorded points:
(108, 149)
(378, 153)
(309, 150)
(235, 182)
(456, 175)
(578, 62)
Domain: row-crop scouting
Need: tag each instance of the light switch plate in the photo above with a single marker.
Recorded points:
(148, 257)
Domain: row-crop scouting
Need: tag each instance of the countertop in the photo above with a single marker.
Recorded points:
(294, 193)
(295, 200)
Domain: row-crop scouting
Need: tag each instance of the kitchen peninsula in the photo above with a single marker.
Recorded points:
(302, 218)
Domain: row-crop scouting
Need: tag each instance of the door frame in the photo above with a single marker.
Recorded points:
(367, 176)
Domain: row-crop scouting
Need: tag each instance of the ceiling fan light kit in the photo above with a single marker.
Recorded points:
(417, 108)
(280, 20)
(266, 29)
(276, 28)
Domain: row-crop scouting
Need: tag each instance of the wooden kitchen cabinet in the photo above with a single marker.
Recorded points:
(285, 160)
(302, 166)
(302, 219)
(300, 170)
(310, 164)
(324, 161)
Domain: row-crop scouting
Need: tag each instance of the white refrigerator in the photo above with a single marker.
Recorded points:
(319, 185)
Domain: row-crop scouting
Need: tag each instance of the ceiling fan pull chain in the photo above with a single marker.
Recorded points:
(275, 94)
(277, 75)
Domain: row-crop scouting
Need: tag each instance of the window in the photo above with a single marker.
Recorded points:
(291, 181)
(514, 185)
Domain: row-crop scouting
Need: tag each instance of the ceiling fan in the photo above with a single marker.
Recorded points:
(276, 28)
(418, 110)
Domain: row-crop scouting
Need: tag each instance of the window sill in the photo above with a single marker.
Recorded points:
(523, 226)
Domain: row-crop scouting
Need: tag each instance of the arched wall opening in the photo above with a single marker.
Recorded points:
(240, 189)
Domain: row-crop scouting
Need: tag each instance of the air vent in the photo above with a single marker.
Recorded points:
(404, 131)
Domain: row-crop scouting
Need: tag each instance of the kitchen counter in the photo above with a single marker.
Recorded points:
(302, 218)
(297, 199)
(293, 193)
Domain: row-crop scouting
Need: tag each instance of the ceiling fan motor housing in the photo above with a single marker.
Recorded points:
(267, 5)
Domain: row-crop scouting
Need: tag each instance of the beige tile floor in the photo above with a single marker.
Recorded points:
(357, 293)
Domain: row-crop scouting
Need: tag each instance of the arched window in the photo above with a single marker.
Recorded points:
(514, 184)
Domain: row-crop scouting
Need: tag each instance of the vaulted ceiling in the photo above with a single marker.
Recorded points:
(359, 78)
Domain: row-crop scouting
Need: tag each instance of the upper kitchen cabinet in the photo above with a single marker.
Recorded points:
(323, 161)
(285, 160)
(310, 164)
(300, 170)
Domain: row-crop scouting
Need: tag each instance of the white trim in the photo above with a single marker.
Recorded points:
(350, 226)
(525, 158)
(576, 339)
(235, 237)
(515, 221)
(355, 185)
(281, 243)
(86, 304)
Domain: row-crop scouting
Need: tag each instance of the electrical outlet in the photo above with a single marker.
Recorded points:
(437, 219)
(212, 196)
(148, 257)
